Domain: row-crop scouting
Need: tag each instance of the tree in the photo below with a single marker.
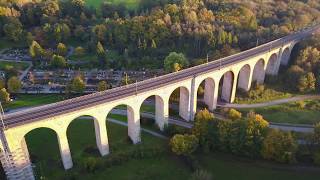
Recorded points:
(100, 32)
(4, 96)
(101, 53)
(102, 86)
(234, 114)
(201, 175)
(307, 82)
(292, 76)
(50, 8)
(13, 30)
(175, 62)
(14, 84)
(79, 51)
(309, 59)
(2, 83)
(279, 146)
(61, 32)
(35, 50)
(183, 144)
(316, 134)
(78, 85)
(58, 62)
(201, 128)
(62, 49)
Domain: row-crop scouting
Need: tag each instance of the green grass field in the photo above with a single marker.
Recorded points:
(290, 113)
(16, 65)
(82, 143)
(48, 164)
(26, 100)
(130, 4)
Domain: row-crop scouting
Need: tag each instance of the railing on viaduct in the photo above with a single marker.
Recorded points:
(236, 71)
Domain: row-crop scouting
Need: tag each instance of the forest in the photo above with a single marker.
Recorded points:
(134, 38)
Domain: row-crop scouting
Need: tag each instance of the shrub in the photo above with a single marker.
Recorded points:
(234, 114)
(147, 121)
(279, 146)
(201, 175)
(174, 129)
(301, 104)
(91, 164)
(316, 158)
(201, 128)
(316, 134)
(184, 144)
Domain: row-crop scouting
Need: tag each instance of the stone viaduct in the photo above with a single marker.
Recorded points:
(236, 71)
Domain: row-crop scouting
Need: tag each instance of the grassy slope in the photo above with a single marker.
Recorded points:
(289, 113)
(51, 166)
(16, 65)
(167, 167)
(25, 100)
(130, 4)
(81, 136)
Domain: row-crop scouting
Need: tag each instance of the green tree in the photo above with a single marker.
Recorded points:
(2, 83)
(58, 62)
(101, 53)
(307, 82)
(35, 50)
(316, 134)
(292, 76)
(175, 62)
(184, 144)
(14, 84)
(13, 30)
(4, 96)
(279, 146)
(61, 32)
(79, 51)
(309, 59)
(201, 128)
(102, 86)
(78, 85)
(62, 49)
(201, 175)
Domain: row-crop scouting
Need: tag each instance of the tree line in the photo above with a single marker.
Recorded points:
(193, 27)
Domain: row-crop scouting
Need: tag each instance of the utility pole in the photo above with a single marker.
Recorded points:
(207, 58)
(125, 78)
(136, 87)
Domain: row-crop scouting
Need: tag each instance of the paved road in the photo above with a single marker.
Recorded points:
(270, 103)
(20, 118)
(142, 129)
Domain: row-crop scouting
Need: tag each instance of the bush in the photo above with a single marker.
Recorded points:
(234, 114)
(316, 158)
(316, 134)
(147, 121)
(174, 129)
(202, 128)
(91, 164)
(279, 146)
(301, 104)
(201, 175)
(184, 144)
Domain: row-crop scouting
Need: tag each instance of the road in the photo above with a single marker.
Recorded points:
(270, 103)
(52, 110)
